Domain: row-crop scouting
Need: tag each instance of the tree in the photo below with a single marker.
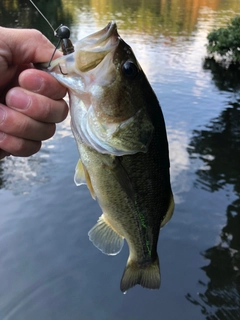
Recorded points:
(226, 41)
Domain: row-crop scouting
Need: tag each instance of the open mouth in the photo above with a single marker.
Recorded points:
(99, 40)
(90, 51)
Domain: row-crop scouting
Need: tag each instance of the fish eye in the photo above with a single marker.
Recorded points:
(129, 69)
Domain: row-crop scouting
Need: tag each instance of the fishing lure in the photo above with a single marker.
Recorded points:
(62, 33)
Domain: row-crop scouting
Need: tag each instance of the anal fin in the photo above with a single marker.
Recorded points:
(105, 238)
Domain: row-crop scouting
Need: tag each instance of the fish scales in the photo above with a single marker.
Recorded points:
(120, 133)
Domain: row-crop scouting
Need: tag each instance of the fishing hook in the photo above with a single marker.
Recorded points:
(63, 33)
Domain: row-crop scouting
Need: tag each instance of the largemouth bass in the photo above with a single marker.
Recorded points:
(120, 133)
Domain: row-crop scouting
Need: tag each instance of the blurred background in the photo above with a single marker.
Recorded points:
(48, 268)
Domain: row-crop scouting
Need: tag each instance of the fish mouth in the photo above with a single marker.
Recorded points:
(104, 38)
(90, 51)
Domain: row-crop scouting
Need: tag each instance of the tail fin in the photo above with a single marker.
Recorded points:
(148, 276)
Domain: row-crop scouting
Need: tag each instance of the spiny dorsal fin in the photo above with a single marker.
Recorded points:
(82, 177)
(105, 238)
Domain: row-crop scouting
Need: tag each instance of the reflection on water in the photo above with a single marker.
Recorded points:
(179, 163)
(220, 298)
(19, 14)
(21, 174)
(169, 20)
(225, 77)
(45, 219)
(218, 147)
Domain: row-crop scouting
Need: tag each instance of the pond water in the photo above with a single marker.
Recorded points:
(48, 268)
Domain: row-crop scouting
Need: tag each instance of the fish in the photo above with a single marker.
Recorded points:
(119, 129)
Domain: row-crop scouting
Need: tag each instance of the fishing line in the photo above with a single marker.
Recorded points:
(63, 33)
(54, 31)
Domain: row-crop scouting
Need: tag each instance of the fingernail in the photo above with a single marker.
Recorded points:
(2, 135)
(18, 99)
(2, 114)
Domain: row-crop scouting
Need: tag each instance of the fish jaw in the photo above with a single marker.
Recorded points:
(104, 114)
(77, 71)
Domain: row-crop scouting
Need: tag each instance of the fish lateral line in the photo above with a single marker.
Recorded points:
(143, 224)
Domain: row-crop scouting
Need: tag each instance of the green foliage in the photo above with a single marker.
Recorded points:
(226, 41)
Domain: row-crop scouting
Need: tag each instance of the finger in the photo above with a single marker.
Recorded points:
(43, 83)
(17, 146)
(25, 46)
(37, 106)
(3, 154)
(19, 125)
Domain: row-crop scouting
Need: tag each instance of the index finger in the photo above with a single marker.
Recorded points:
(22, 46)
(42, 83)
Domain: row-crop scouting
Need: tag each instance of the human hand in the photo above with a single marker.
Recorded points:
(31, 101)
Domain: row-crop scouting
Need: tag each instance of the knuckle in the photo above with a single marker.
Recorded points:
(38, 36)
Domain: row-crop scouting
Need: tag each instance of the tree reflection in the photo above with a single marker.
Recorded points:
(218, 146)
(223, 290)
(169, 18)
(225, 78)
(155, 17)
(22, 14)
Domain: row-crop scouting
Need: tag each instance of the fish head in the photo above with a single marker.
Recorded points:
(105, 84)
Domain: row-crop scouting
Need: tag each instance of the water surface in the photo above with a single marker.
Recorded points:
(49, 269)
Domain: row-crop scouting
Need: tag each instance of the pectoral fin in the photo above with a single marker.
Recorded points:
(79, 177)
(82, 177)
(105, 238)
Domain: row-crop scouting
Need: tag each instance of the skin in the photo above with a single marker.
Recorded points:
(31, 101)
